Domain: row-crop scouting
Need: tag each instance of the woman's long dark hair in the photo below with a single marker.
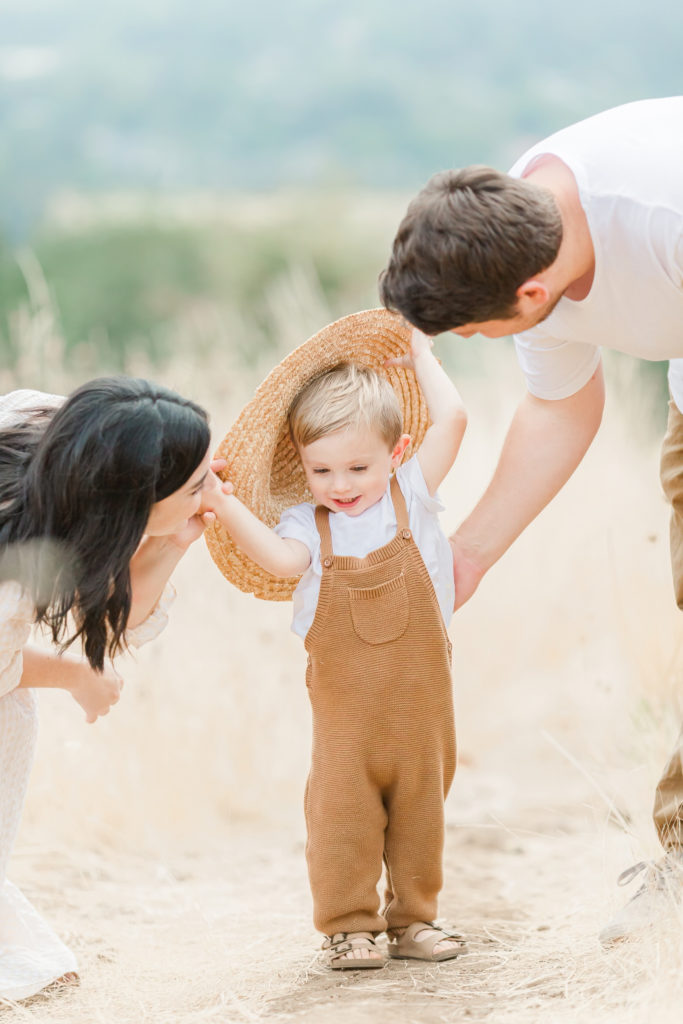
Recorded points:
(77, 485)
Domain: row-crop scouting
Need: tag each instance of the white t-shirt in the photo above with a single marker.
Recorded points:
(628, 166)
(376, 526)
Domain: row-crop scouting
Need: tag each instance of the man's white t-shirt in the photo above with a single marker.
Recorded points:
(628, 166)
(376, 526)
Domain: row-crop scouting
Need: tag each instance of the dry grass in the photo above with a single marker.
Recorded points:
(166, 843)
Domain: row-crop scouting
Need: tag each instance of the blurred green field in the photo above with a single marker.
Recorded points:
(121, 277)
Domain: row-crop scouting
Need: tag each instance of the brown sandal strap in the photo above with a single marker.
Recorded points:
(340, 943)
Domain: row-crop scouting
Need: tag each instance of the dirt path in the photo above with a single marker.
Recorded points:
(224, 935)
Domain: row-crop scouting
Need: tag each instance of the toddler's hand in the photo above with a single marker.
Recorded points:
(419, 343)
(217, 466)
(96, 692)
(213, 490)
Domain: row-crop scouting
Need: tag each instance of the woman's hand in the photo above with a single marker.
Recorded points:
(197, 524)
(96, 692)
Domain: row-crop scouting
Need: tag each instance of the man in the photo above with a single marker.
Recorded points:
(579, 246)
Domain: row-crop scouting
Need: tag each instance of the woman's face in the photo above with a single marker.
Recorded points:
(171, 514)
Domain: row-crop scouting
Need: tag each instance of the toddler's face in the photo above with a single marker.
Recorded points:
(348, 471)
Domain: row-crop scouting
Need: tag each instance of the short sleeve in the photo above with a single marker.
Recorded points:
(156, 621)
(678, 262)
(298, 523)
(413, 485)
(16, 618)
(555, 369)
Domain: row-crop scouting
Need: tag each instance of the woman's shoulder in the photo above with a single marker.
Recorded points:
(14, 403)
(17, 615)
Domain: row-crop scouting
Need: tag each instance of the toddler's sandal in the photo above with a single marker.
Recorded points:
(406, 947)
(338, 945)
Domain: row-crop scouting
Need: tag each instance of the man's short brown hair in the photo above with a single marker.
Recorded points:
(469, 239)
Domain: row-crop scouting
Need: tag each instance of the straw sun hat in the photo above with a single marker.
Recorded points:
(263, 464)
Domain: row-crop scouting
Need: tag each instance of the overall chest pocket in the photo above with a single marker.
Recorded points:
(380, 614)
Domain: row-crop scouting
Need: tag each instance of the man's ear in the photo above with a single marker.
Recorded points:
(399, 449)
(532, 295)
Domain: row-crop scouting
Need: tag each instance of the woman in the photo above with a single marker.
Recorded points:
(99, 499)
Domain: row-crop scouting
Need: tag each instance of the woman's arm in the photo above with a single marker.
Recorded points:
(96, 692)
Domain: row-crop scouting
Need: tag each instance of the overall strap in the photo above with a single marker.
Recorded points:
(399, 501)
(322, 522)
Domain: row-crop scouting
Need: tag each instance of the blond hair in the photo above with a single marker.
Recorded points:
(347, 395)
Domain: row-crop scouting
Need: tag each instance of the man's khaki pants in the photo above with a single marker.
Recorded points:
(668, 809)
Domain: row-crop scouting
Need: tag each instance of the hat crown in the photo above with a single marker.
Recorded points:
(262, 462)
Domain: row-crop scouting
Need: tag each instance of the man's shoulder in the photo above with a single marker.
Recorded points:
(645, 133)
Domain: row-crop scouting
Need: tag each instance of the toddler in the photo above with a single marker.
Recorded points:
(375, 595)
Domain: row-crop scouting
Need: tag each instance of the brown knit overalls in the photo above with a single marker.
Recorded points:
(383, 735)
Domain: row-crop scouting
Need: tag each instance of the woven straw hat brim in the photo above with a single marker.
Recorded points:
(262, 462)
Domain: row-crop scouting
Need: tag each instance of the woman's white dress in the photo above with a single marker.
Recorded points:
(31, 955)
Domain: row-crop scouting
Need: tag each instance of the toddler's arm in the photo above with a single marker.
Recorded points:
(442, 441)
(281, 556)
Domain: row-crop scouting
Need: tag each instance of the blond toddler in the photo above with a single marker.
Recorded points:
(375, 595)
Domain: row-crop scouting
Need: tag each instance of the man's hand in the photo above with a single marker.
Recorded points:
(466, 573)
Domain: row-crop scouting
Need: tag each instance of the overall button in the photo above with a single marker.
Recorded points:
(406, 534)
(327, 562)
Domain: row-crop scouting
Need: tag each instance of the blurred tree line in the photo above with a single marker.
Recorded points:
(154, 284)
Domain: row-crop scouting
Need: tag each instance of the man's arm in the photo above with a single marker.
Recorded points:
(544, 445)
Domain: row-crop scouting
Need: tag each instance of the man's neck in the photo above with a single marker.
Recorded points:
(572, 272)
